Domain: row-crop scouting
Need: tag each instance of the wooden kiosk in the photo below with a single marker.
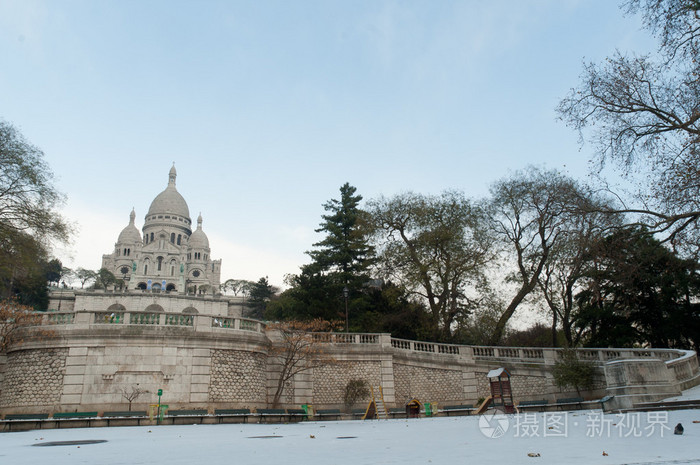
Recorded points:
(501, 392)
(413, 408)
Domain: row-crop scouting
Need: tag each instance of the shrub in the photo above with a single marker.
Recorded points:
(570, 372)
(355, 390)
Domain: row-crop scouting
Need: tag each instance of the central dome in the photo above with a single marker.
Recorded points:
(170, 201)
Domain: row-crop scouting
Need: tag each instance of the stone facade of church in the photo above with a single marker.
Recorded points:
(169, 256)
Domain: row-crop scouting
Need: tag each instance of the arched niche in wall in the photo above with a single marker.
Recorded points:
(116, 308)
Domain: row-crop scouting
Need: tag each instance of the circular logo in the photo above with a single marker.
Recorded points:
(493, 423)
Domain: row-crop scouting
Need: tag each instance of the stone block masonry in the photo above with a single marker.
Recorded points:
(237, 377)
(90, 363)
(329, 381)
(427, 384)
(524, 386)
(34, 378)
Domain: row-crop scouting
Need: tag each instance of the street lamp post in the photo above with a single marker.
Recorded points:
(60, 297)
(345, 294)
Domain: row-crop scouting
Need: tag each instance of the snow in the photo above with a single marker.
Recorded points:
(690, 394)
(495, 373)
(444, 440)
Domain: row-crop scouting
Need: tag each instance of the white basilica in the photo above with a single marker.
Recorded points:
(169, 256)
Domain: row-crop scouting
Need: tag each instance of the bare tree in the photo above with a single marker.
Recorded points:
(28, 199)
(296, 349)
(14, 320)
(643, 114)
(563, 272)
(434, 246)
(85, 276)
(237, 286)
(132, 394)
(530, 213)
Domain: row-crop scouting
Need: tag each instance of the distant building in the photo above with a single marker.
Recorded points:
(169, 256)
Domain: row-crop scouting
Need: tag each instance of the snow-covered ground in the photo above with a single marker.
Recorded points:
(690, 394)
(558, 438)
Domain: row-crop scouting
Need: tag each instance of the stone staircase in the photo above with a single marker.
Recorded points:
(379, 403)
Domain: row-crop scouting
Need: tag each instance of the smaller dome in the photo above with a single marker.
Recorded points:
(199, 240)
(130, 234)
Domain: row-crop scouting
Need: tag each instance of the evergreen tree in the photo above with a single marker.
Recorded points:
(339, 261)
(344, 253)
(260, 294)
(639, 293)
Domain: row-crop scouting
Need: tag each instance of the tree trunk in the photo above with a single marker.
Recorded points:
(278, 394)
(498, 331)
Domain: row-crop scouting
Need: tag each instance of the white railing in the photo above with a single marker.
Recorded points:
(592, 355)
(522, 353)
(683, 363)
(347, 338)
(684, 367)
(60, 318)
(432, 347)
(125, 318)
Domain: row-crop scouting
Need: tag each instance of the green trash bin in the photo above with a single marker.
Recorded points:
(428, 409)
(308, 409)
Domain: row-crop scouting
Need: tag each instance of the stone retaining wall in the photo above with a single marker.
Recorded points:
(33, 378)
(329, 381)
(91, 363)
(427, 384)
(237, 377)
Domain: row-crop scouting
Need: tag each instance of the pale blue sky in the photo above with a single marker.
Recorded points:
(268, 107)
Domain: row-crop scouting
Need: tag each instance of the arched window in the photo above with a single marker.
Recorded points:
(160, 263)
(128, 252)
(179, 239)
(172, 238)
(151, 239)
(145, 268)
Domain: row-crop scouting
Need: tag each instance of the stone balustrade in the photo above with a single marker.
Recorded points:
(123, 318)
(204, 359)
(432, 347)
(348, 338)
(684, 369)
